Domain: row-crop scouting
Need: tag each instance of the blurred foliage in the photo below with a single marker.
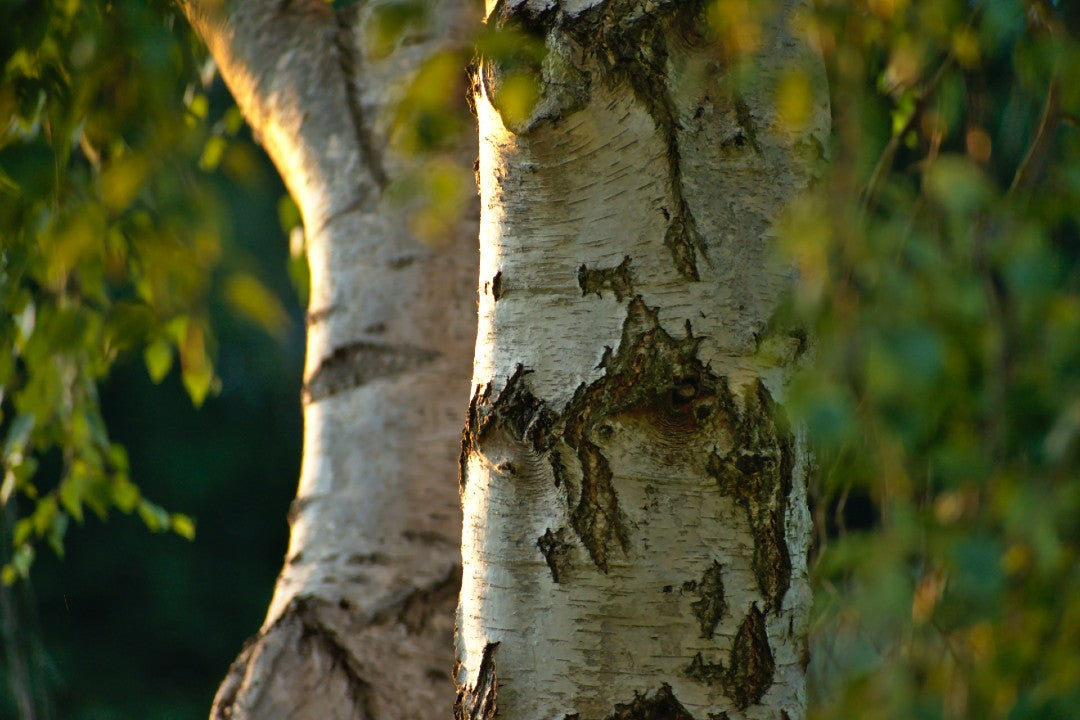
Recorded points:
(939, 265)
(136, 222)
(110, 242)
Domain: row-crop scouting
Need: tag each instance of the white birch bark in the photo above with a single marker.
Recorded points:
(360, 625)
(636, 523)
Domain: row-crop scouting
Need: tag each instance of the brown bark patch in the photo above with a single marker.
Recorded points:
(633, 48)
(751, 666)
(704, 671)
(557, 551)
(712, 605)
(757, 473)
(749, 672)
(617, 279)
(478, 702)
(652, 376)
(661, 705)
(515, 410)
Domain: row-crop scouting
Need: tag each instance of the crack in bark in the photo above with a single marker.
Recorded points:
(478, 702)
(361, 362)
(349, 62)
(313, 630)
(757, 473)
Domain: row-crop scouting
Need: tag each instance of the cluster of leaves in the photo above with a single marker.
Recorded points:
(939, 259)
(109, 242)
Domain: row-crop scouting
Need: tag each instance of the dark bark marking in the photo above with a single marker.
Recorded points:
(750, 669)
(428, 537)
(316, 632)
(757, 473)
(417, 608)
(616, 279)
(661, 705)
(300, 621)
(349, 62)
(746, 123)
(557, 551)
(496, 286)
(478, 702)
(652, 377)
(703, 671)
(563, 86)
(516, 410)
(317, 316)
(712, 605)
(632, 48)
(359, 363)
(400, 262)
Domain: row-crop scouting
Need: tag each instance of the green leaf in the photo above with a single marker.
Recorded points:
(18, 436)
(153, 516)
(23, 528)
(249, 298)
(44, 513)
(72, 494)
(56, 533)
(183, 526)
(159, 357)
(125, 494)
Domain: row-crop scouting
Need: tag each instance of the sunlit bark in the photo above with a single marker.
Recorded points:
(636, 523)
(360, 625)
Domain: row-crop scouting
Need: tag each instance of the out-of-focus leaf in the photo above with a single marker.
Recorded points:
(158, 356)
(252, 300)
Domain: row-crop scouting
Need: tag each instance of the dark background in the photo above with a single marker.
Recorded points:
(138, 625)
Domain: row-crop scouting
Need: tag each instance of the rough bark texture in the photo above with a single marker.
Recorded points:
(635, 510)
(360, 625)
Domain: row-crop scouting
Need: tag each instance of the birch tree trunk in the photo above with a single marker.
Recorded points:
(636, 523)
(360, 625)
